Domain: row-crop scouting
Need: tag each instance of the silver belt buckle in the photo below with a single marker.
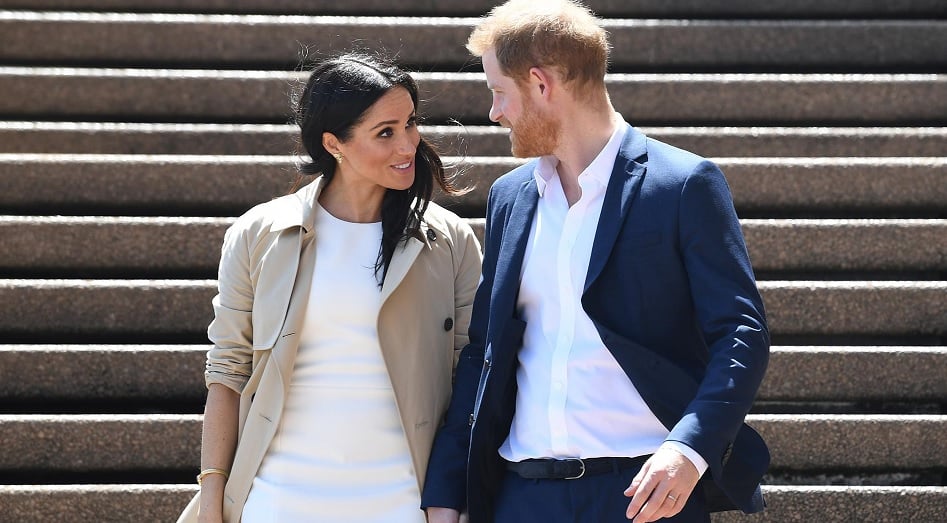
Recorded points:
(581, 464)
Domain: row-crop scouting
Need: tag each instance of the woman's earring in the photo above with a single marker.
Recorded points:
(338, 157)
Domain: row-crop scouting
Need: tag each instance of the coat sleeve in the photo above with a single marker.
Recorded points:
(446, 481)
(230, 359)
(729, 312)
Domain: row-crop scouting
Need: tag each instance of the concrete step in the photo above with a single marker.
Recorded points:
(853, 442)
(145, 502)
(787, 504)
(100, 442)
(869, 308)
(229, 41)
(112, 246)
(163, 185)
(613, 8)
(100, 503)
(203, 185)
(140, 309)
(165, 246)
(808, 184)
(835, 246)
(469, 140)
(168, 442)
(840, 373)
(214, 96)
(58, 374)
(130, 311)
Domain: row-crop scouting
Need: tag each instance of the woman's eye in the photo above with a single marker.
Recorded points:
(412, 122)
(386, 132)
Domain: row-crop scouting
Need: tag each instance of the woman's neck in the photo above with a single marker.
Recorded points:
(356, 204)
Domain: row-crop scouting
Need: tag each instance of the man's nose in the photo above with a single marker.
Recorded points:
(495, 113)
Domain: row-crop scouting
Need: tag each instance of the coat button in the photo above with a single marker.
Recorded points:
(448, 324)
(431, 235)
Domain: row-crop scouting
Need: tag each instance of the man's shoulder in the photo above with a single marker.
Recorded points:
(510, 182)
(670, 166)
(666, 155)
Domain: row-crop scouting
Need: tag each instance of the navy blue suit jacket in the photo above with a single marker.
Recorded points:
(673, 297)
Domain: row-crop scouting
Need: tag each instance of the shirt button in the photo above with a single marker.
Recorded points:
(448, 324)
(431, 235)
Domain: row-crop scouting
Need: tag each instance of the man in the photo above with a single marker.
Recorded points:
(618, 338)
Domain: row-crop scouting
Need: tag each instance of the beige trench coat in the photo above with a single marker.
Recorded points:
(265, 273)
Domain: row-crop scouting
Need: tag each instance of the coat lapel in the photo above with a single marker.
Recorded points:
(293, 223)
(295, 255)
(284, 354)
(623, 185)
(401, 261)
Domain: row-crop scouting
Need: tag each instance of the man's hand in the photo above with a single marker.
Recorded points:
(662, 486)
(442, 515)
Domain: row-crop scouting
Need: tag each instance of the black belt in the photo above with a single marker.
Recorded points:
(571, 468)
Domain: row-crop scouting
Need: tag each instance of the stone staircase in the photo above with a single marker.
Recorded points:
(133, 131)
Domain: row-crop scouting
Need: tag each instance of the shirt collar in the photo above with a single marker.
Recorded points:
(600, 170)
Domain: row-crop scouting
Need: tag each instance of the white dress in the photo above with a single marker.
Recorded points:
(340, 452)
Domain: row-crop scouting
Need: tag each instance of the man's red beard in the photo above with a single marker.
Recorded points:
(534, 134)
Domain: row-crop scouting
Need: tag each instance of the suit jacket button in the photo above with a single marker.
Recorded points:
(431, 235)
(448, 324)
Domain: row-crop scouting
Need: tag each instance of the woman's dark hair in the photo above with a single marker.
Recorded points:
(339, 92)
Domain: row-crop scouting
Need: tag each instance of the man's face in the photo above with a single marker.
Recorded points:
(533, 132)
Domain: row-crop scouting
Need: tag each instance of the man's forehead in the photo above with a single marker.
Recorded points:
(496, 78)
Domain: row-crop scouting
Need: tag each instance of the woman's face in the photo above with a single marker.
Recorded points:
(381, 148)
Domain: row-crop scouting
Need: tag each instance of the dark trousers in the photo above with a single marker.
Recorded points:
(591, 499)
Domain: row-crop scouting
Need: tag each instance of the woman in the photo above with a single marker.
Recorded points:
(340, 312)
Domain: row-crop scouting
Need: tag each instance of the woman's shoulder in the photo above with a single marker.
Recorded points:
(447, 222)
(268, 216)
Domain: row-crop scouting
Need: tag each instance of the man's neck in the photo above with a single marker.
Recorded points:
(581, 140)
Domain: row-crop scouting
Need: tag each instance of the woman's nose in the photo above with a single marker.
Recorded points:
(407, 145)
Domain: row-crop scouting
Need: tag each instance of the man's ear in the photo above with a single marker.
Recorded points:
(331, 143)
(541, 82)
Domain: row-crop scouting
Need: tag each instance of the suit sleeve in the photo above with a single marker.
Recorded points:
(729, 312)
(467, 266)
(446, 482)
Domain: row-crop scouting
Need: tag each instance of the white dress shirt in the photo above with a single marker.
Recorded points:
(573, 399)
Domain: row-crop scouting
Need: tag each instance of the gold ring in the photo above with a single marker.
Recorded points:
(672, 498)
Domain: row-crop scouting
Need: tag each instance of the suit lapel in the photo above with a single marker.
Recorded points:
(623, 185)
(513, 248)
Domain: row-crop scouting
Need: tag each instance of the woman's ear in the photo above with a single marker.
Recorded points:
(331, 143)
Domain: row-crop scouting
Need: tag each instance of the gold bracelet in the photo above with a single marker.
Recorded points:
(208, 472)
